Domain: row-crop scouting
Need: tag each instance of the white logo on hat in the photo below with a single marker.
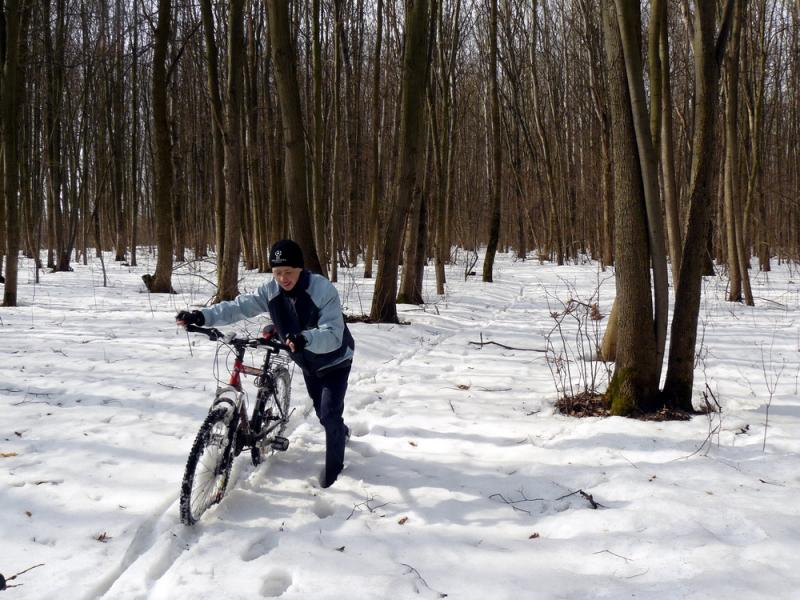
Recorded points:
(278, 254)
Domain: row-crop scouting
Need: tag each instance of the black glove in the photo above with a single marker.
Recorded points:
(186, 317)
(298, 340)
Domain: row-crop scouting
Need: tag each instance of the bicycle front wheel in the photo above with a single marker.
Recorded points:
(207, 468)
(271, 408)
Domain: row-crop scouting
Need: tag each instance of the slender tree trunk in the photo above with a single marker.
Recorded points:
(229, 269)
(133, 184)
(668, 157)
(318, 176)
(497, 149)
(217, 128)
(376, 183)
(293, 138)
(707, 58)
(737, 270)
(161, 282)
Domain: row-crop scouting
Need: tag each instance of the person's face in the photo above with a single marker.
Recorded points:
(287, 276)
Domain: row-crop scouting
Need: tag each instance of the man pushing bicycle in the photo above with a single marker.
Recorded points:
(307, 315)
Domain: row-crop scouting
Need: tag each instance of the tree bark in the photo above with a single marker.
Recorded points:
(629, 19)
(707, 58)
(10, 101)
(376, 182)
(283, 58)
(497, 150)
(217, 127)
(228, 287)
(634, 385)
(161, 282)
(318, 176)
(415, 75)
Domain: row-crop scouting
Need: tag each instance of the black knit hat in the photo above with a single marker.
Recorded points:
(286, 253)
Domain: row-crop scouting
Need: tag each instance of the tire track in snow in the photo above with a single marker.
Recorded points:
(144, 540)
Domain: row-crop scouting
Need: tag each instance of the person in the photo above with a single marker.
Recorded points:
(307, 317)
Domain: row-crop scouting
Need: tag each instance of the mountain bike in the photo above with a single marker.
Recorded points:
(227, 430)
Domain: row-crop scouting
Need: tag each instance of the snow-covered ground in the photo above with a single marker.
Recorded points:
(460, 480)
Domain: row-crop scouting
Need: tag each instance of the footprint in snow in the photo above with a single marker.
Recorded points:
(364, 449)
(259, 548)
(323, 509)
(276, 583)
(359, 429)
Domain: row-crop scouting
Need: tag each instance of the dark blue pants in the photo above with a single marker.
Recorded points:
(328, 392)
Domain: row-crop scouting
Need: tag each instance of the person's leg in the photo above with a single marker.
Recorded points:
(331, 406)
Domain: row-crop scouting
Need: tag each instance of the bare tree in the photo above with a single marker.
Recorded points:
(283, 56)
(161, 282)
(709, 49)
(415, 75)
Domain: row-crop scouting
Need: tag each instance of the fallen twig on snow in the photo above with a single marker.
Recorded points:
(481, 344)
(422, 579)
(366, 504)
(3, 580)
(587, 497)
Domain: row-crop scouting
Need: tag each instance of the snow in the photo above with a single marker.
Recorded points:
(460, 479)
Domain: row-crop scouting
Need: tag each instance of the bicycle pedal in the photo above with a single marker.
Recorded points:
(279, 443)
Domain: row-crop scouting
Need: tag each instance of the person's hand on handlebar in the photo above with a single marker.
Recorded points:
(186, 317)
(296, 342)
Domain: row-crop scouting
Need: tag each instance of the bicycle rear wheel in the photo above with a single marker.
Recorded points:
(207, 468)
(271, 407)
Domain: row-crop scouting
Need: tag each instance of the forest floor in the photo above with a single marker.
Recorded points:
(461, 479)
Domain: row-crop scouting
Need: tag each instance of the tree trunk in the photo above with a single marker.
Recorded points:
(133, 184)
(414, 83)
(10, 101)
(668, 156)
(217, 126)
(293, 137)
(228, 287)
(629, 19)
(707, 58)
(161, 282)
(497, 150)
(318, 176)
(634, 385)
(737, 268)
(376, 183)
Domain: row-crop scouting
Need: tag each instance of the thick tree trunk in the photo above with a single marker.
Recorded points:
(634, 385)
(629, 19)
(10, 102)
(414, 84)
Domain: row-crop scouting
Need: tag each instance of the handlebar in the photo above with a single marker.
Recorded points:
(216, 335)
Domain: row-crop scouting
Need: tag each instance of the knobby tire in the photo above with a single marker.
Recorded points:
(208, 467)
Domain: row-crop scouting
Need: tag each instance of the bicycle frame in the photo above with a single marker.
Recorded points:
(231, 396)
